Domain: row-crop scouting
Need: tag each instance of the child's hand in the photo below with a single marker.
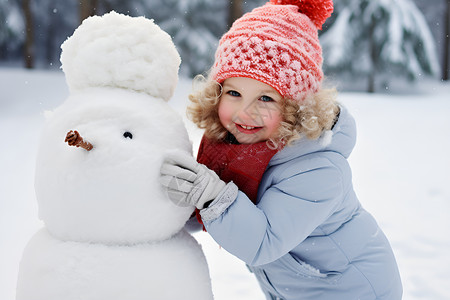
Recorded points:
(188, 182)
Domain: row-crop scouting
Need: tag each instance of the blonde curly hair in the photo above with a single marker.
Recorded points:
(317, 113)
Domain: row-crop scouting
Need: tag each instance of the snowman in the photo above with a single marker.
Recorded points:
(110, 230)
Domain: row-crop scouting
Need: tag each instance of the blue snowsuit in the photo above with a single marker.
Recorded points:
(308, 236)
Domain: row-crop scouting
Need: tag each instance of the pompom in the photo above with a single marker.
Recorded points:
(116, 50)
(318, 11)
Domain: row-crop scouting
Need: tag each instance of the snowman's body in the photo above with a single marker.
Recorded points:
(172, 269)
(110, 230)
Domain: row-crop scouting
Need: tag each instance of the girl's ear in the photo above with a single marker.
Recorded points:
(220, 90)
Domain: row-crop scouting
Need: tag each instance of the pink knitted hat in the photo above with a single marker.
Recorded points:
(277, 44)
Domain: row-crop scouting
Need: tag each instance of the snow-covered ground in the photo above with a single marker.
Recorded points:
(400, 166)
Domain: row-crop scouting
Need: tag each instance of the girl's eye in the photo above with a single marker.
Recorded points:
(233, 93)
(127, 135)
(266, 99)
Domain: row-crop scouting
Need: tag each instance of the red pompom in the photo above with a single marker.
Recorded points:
(317, 10)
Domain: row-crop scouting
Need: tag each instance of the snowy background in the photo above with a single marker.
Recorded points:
(400, 166)
(408, 36)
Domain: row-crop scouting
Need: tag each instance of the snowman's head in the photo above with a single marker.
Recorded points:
(110, 194)
(116, 50)
(120, 71)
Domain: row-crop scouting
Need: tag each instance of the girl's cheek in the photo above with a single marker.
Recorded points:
(225, 113)
(272, 112)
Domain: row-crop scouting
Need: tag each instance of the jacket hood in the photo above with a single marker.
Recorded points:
(340, 139)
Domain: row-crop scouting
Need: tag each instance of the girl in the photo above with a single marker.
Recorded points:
(272, 183)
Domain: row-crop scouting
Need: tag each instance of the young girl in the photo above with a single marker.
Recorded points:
(272, 183)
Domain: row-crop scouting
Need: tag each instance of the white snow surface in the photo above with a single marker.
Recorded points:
(400, 168)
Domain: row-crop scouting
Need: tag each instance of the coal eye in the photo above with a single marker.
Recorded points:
(127, 135)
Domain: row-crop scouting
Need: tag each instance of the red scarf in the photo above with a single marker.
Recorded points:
(244, 164)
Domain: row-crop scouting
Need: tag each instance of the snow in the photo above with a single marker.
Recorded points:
(104, 195)
(110, 232)
(121, 51)
(400, 168)
(90, 270)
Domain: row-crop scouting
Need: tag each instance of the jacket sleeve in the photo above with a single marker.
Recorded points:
(288, 212)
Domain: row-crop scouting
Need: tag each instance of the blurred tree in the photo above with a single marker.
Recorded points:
(381, 40)
(235, 11)
(87, 8)
(132, 8)
(11, 30)
(446, 65)
(29, 35)
(54, 21)
(195, 26)
(436, 13)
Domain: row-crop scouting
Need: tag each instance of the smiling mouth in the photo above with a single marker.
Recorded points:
(248, 129)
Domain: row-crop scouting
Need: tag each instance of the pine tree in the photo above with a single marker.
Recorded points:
(54, 21)
(87, 8)
(195, 26)
(379, 39)
(235, 11)
(11, 29)
(29, 35)
(446, 63)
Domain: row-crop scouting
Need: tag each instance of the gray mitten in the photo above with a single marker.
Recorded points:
(188, 182)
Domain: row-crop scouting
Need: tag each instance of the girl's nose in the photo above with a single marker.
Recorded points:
(249, 113)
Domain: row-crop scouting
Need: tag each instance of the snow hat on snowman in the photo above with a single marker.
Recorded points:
(277, 44)
(111, 51)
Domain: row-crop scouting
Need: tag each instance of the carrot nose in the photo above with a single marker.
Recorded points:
(73, 138)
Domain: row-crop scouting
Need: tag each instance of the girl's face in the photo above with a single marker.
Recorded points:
(250, 109)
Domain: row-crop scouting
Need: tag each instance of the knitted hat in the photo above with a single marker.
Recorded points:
(277, 44)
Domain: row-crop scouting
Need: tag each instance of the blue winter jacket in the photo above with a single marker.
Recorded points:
(308, 236)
